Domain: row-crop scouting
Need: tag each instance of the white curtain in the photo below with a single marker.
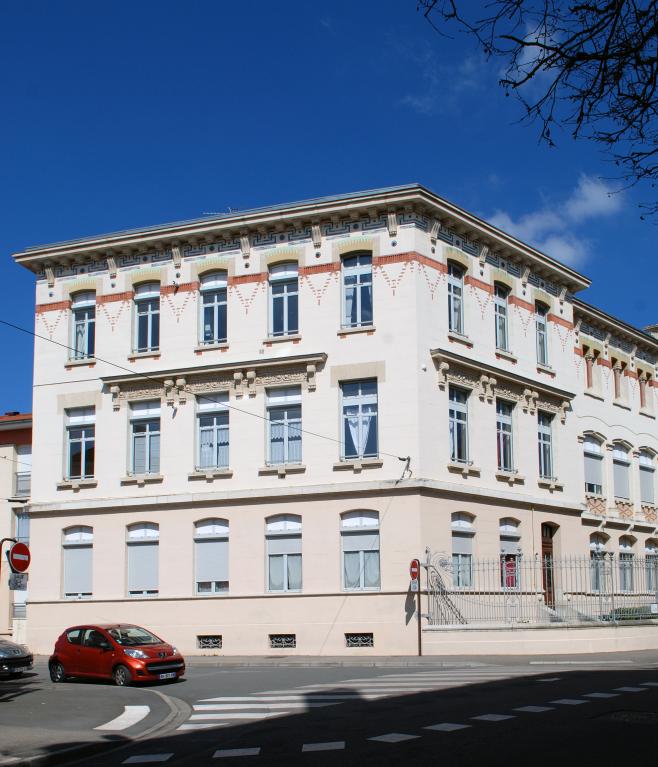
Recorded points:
(276, 572)
(352, 570)
(371, 569)
(294, 571)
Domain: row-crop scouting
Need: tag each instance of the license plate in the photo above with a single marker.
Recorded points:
(172, 675)
(20, 669)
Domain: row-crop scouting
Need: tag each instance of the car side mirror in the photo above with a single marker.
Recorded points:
(105, 645)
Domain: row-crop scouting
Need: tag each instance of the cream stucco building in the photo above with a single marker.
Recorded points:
(246, 426)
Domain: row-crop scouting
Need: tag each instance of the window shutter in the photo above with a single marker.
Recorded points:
(142, 566)
(285, 544)
(154, 468)
(646, 485)
(508, 546)
(211, 560)
(77, 569)
(620, 472)
(462, 544)
(593, 474)
(139, 454)
(361, 541)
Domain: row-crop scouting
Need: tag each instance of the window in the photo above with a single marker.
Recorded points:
(357, 290)
(23, 477)
(651, 562)
(455, 298)
(83, 312)
(359, 419)
(284, 418)
(145, 437)
(142, 545)
(626, 563)
(510, 553)
(147, 317)
(77, 543)
(621, 467)
(213, 308)
(504, 411)
(597, 544)
(80, 442)
(647, 473)
(458, 415)
(360, 542)
(541, 329)
(463, 533)
(213, 434)
(284, 308)
(593, 466)
(211, 556)
(284, 553)
(501, 292)
(545, 445)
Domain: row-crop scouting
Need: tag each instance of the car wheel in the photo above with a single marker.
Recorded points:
(122, 676)
(57, 672)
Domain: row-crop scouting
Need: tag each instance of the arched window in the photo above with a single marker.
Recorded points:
(647, 476)
(463, 532)
(211, 556)
(284, 552)
(510, 553)
(357, 290)
(621, 466)
(541, 332)
(142, 544)
(213, 318)
(501, 294)
(284, 309)
(651, 563)
(455, 297)
(360, 544)
(77, 548)
(593, 454)
(83, 313)
(626, 562)
(597, 548)
(147, 317)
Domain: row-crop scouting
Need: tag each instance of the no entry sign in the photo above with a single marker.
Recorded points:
(414, 569)
(19, 557)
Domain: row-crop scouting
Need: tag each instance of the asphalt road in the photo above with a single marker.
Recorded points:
(592, 710)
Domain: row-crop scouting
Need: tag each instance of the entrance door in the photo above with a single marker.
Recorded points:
(547, 533)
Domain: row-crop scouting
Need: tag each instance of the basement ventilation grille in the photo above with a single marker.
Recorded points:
(209, 642)
(283, 641)
(359, 640)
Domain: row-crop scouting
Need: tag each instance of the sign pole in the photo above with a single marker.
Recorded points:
(414, 572)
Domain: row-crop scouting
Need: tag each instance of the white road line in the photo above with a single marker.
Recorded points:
(534, 709)
(244, 715)
(336, 745)
(394, 737)
(550, 679)
(227, 752)
(446, 727)
(131, 715)
(247, 706)
(202, 726)
(569, 701)
(280, 698)
(147, 759)
(492, 717)
(650, 684)
(631, 689)
(601, 695)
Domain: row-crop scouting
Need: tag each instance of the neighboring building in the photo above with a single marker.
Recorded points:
(272, 370)
(15, 475)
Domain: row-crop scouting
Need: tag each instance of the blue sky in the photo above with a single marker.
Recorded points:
(126, 114)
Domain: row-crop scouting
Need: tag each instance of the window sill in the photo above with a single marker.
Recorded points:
(460, 338)
(541, 368)
(593, 394)
(550, 484)
(88, 362)
(141, 479)
(510, 476)
(281, 470)
(647, 413)
(295, 337)
(360, 329)
(210, 474)
(620, 403)
(223, 346)
(76, 484)
(143, 355)
(357, 465)
(465, 469)
(505, 355)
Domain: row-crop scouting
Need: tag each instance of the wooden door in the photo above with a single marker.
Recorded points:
(547, 533)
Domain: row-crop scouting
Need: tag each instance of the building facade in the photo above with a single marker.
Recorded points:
(289, 404)
(15, 474)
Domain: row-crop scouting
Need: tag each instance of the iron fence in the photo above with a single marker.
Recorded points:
(599, 590)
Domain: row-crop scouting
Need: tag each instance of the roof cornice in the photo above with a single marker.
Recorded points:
(598, 317)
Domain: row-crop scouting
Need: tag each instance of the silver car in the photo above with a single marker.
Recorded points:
(14, 658)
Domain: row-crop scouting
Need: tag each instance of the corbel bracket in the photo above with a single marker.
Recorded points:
(316, 234)
(392, 223)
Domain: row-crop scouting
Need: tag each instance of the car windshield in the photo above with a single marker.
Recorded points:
(133, 635)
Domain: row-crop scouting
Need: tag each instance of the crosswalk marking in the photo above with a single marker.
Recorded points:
(230, 752)
(492, 717)
(336, 745)
(534, 709)
(247, 706)
(147, 759)
(447, 727)
(394, 737)
(244, 715)
(601, 695)
(569, 701)
(631, 689)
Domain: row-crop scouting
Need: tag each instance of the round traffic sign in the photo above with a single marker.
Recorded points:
(414, 569)
(19, 557)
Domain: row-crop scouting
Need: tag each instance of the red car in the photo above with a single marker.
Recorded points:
(119, 651)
